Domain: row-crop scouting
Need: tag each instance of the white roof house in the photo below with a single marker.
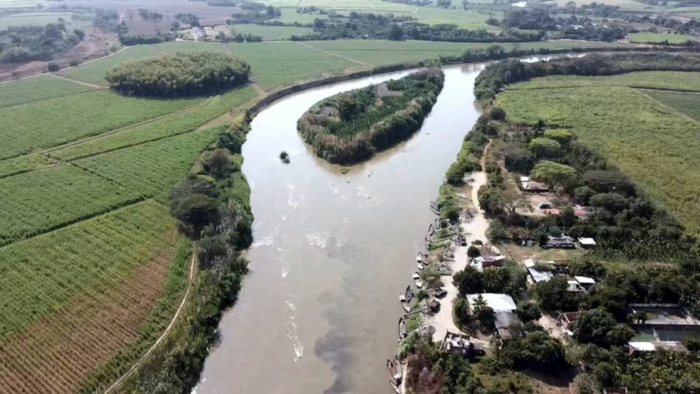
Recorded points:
(540, 276)
(497, 302)
(584, 280)
(586, 241)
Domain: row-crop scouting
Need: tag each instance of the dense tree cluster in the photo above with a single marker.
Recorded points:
(572, 27)
(28, 43)
(509, 279)
(213, 208)
(184, 74)
(350, 127)
(389, 26)
(254, 13)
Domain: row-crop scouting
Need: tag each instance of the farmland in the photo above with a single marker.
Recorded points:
(75, 195)
(73, 297)
(153, 168)
(659, 38)
(664, 80)
(177, 124)
(94, 72)
(648, 141)
(82, 116)
(41, 19)
(685, 103)
(35, 89)
(271, 33)
(22, 164)
(171, 48)
(278, 64)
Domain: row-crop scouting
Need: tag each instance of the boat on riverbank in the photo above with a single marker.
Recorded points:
(403, 330)
(395, 374)
(416, 279)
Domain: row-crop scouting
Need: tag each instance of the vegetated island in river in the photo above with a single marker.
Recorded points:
(351, 126)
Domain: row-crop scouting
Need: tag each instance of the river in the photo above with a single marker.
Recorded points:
(318, 311)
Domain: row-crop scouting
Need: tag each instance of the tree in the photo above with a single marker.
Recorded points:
(528, 312)
(553, 174)
(79, 33)
(52, 66)
(218, 164)
(144, 14)
(536, 351)
(469, 281)
(563, 137)
(512, 200)
(613, 202)
(545, 147)
(461, 311)
(620, 335)
(585, 383)
(497, 231)
(396, 33)
(553, 295)
(155, 17)
(444, 3)
(473, 252)
(568, 217)
(593, 327)
(583, 194)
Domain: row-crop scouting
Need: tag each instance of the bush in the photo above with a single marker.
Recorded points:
(528, 312)
(536, 351)
(497, 231)
(497, 113)
(53, 67)
(74, 63)
(519, 160)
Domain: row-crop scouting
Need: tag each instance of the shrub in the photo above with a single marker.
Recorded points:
(52, 66)
(497, 113)
(74, 63)
(473, 252)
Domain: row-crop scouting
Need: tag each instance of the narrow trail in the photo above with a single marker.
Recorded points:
(226, 47)
(90, 85)
(332, 54)
(155, 50)
(165, 333)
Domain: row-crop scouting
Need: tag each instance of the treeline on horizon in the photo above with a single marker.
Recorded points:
(496, 76)
(350, 127)
(185, 74)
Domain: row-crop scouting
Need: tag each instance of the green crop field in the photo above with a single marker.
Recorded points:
(686, 103)
(276, 65)
(171, 48)
(47, 123)
(668, 80)
(39, 201)
(271, 33)
(33, 19)
(659, 38)
(35, 89)
(652, 143)
(22, 164)
(94, 72)
(170, 126)
(73, 297)
(153, 168)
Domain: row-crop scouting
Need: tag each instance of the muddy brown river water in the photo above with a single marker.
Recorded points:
(319, 309)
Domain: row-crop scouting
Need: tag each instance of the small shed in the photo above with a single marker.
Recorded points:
(503, 322)
(562, 242)
(587, 243)
(540, 276)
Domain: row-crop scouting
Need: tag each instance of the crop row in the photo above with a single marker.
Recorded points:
(668, 80)
(153, 168)
(42, 275)
(170, 126)
(43, 200)
(43, 124)
(57, 352)
(21, 164)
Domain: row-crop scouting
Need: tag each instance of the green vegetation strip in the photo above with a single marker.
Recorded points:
(22, 164)
(659, 38)
(686, 103)
(36, 89)
(663, 80)
(48, 123)
(649, 142)
(43, 200)
(40, 275)
(167, 127)
(153, 168)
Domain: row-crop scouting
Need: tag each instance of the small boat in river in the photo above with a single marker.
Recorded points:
(395, 374)
(420, 266)
(406, 298)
